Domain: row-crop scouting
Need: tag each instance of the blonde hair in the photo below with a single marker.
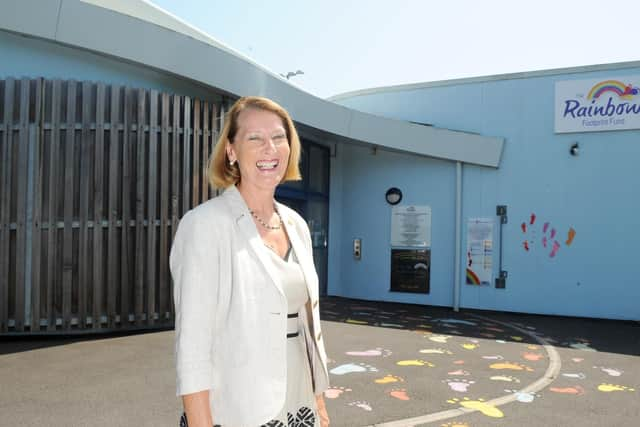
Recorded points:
(221, 173)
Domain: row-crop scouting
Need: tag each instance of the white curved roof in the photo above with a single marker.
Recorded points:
(139, 32)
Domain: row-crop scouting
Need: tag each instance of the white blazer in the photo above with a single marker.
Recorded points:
(231, 312)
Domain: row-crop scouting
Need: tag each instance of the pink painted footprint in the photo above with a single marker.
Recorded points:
(459, 385)
(459, 372)
(575, 390)
(362, 405)
(399, 393)
(335, 392)
(370, 353)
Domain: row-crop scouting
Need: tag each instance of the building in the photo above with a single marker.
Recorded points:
(133, 99)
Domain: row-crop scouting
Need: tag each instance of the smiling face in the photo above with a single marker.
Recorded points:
(261, 149)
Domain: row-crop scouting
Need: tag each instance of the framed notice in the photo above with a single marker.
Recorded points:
(479, 251)
(410, 270)
(411, 226)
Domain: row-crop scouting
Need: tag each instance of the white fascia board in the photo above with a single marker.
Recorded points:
(427, 140)
(42, 17)
(112, 33)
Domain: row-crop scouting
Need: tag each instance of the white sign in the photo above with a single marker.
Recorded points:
(479, 251)
(411, 226)
(597, 105)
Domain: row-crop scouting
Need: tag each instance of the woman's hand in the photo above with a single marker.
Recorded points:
(322, 411)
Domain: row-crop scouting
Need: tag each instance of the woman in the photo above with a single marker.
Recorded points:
(249, 348)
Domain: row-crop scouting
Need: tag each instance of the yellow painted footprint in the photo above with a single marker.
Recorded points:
(479, 405)
(455, 424)
(469, 346)
(607, 388)
(389, 379)
(415, 362)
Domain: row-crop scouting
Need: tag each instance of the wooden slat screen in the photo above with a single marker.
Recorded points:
(93, 181)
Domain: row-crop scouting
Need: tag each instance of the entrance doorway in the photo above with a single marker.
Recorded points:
(310, 198)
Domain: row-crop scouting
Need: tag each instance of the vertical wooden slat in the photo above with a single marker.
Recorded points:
(214, 140)
(197, 149)
(125, 255)
(175, 165)
(53, 258)
(165, 192)
(98, 208)
(112, 207)
(6, 174)
(140, 192)
(186, 155)
(36, 131)
(69, 197)
(206, 140)
(85, 177)
(152, 210)
(22, 170)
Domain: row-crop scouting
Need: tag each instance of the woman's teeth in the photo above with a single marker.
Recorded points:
(264, 165)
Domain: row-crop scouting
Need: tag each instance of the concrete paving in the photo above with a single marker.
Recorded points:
(391, 365)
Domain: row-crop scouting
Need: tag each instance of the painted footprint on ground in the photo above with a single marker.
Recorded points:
(352, 368)
(575, 390)
(389, 379)
(469, 346)
(415, 362)
(442, 339)
(335, 392)
(362, 405)
(510, 366)
(479, 405)
(533, 357)
(399, 393)
(505, 378)
(610, 371)
(494, 357)
(455, 424)
(459, 385)
(370, 353)
(523, 396)
(577, 375)
(607, 388)
(459, 372)
(435, 351)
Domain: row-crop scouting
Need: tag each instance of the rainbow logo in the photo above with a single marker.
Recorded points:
(615, 86)
(472, 278)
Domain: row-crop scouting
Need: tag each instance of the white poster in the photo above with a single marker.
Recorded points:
(479, 251)
(597, 105)
(411, 226)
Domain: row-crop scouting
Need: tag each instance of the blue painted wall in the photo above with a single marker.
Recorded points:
(359, 182)
(29, 57)
(595, 193)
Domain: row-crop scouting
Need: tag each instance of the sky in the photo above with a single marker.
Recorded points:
(347, 45)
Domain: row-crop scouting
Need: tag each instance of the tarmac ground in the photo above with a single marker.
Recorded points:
(390, 365)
